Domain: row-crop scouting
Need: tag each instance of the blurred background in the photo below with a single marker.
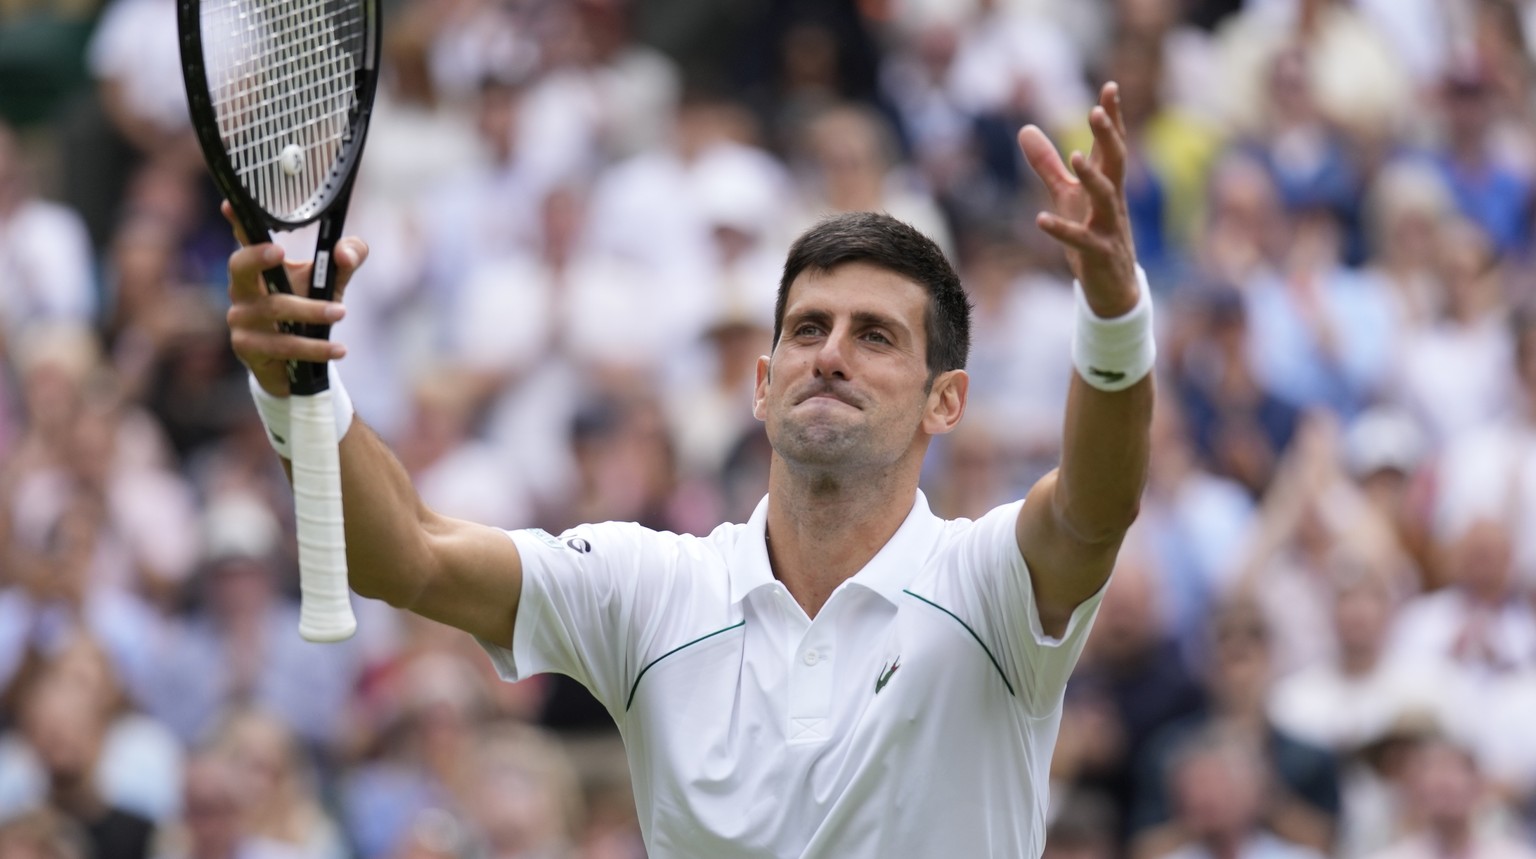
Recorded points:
(1321, 640)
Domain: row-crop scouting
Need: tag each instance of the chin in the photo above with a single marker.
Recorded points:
(823, 447)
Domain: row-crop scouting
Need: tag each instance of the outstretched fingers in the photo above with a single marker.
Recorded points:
(1071, 233)
(1043, 158)
(1103, 192)
(1110, 150)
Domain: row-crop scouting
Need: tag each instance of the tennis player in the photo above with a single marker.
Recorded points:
(844, 675)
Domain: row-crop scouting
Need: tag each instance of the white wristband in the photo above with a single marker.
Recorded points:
(1114, 354)
(276, 416)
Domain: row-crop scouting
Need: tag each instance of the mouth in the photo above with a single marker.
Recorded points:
(829, 396)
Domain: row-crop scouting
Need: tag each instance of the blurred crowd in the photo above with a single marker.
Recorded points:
(1320, 642)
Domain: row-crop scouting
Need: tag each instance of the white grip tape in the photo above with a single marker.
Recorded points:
(325, 610)
(1114, 354)
(276, 416)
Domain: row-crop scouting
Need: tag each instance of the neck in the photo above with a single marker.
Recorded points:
(76, 797)
(823, 528)
(1225, 845)
(1357, 661)
(1453, 838)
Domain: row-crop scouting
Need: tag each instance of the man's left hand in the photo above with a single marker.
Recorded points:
(1090, 218)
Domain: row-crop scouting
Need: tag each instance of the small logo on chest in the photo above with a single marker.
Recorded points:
(885, 674)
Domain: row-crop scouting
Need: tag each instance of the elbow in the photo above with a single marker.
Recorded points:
(371, 587)
(1104, 525)
(392, 587)
(398, 571)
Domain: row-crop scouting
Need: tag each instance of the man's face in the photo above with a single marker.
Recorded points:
(847, 384)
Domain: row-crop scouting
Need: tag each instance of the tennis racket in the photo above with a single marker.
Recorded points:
(280, 93)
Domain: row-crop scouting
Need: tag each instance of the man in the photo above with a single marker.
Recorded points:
(65, 726)
(845, 674)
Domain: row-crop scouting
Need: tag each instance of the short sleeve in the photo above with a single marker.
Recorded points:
(992, 586)
(593, 598)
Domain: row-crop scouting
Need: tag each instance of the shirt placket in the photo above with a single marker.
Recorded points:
(811, 668)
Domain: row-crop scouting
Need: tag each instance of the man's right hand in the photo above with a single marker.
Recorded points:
(254, 314)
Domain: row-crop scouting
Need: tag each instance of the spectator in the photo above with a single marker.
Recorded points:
(849, 164)
(1237, 423)
(1299, 798)
(45, 254)
(281, 797)
(406, 790)
(1386, 453)
(239, 648)
(1405, 208)
(1453, 362)
(524, 797)
(42, 834)
(1481, 622)
(1490, 190)
(1133, 682)
(1019, 342)
(1309, 157)
(1485, 472)
(214, 822)
(137, 114)
(66, 728)
(451, 466)
(139, 768)
(1313, 526)
(1447, 794)
(1017, 66)
(1348, 701)
(1358, 81)
(1174, 151)
(1194, 523)
(1217, 780)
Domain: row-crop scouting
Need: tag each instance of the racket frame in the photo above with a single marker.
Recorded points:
(325, 609)
(257, 223)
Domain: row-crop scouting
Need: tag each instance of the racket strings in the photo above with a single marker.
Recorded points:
(282, 75)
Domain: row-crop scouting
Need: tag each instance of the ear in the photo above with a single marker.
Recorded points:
(946, 402)
(760, 391)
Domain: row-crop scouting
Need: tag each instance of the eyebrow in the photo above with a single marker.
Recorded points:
(867, 318)
(861, 319)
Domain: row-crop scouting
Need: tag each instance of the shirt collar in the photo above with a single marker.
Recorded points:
(890, 570)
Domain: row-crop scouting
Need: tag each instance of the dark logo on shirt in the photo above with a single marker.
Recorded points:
(579, 545)
(885, 674)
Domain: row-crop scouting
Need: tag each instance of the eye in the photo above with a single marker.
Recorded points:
(877, 337)
(807, 329)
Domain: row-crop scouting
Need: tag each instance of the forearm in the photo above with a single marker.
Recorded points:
(387, 525)
(1105, 448)
(1107, 432)
(457, 573)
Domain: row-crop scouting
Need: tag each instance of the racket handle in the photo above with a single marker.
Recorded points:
(325, 607)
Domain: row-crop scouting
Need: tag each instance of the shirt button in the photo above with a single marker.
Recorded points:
(811, 657)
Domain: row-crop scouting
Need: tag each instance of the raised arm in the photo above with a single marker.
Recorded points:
(1070, 529)
(459, 573)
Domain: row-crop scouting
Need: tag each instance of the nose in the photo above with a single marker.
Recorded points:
(832, 357)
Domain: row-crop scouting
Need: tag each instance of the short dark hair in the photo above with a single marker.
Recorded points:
(883, 241)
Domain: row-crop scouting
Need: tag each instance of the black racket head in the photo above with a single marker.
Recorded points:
(280, 93)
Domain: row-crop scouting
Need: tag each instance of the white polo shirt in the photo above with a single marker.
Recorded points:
(914, 717)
